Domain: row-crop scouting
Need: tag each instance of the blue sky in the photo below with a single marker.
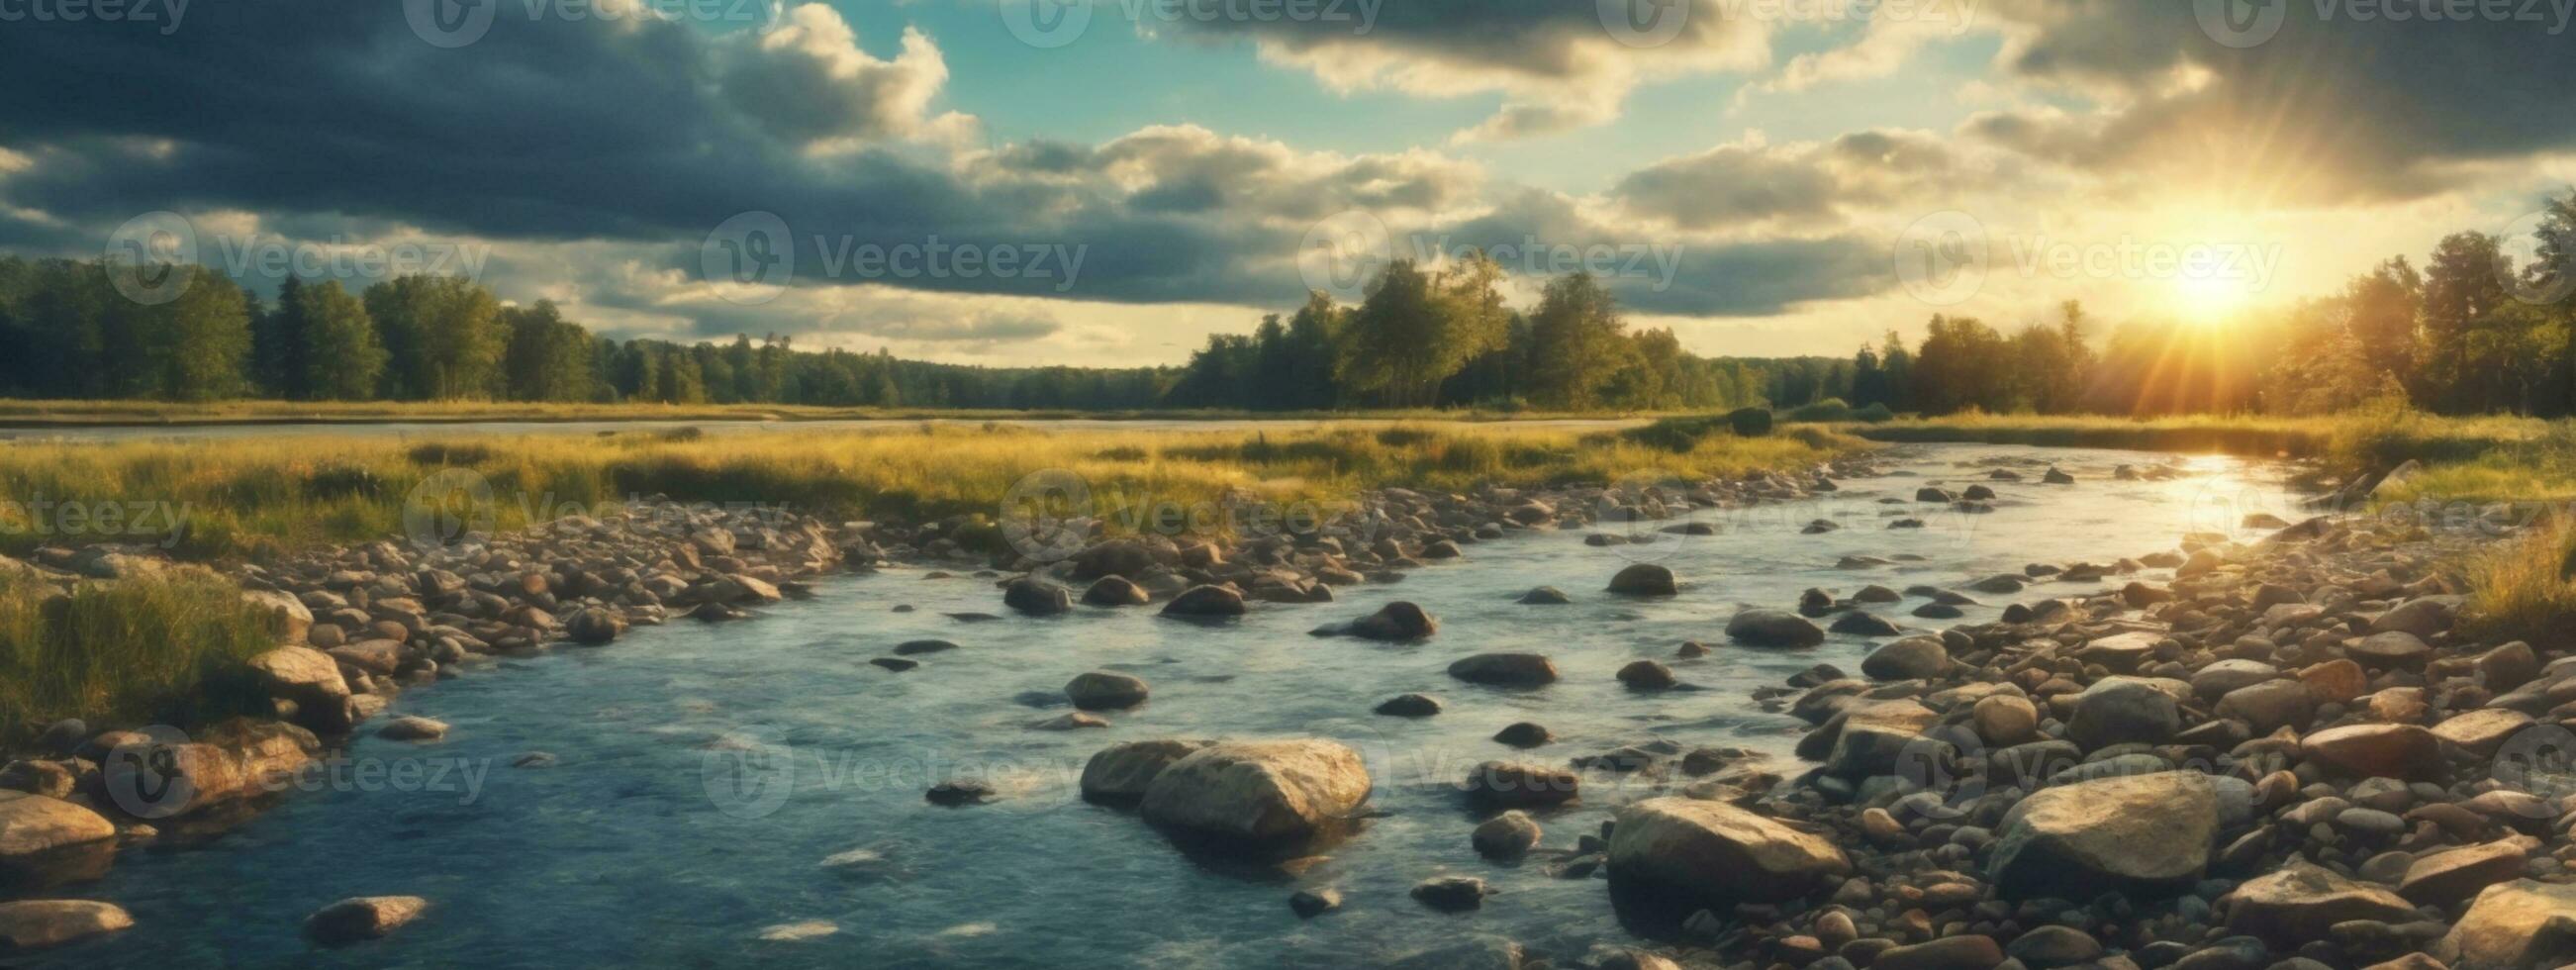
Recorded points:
(1764, 177)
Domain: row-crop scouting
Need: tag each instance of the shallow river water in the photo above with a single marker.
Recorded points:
(717, 781)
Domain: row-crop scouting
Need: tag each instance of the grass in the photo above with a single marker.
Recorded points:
(165, 650)
(261, 498)
(2521, 589)
(2377, 439)
(44, 414)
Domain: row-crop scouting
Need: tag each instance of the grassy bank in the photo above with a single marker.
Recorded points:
(75, 414)
(156, 651)
(260, 497)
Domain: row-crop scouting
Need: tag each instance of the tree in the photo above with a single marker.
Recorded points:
(1416, 329)
(2463, 283)
(1578, 343)
(547, 358)
(336, 357)
(444, 336)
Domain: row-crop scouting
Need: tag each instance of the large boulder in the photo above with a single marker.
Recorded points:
(2142, 834)
(2271, 705)
(1505, 669)
(1121, 772)
(1871, 738)
(1116, 591)
(594, 626)
(33, 826)
(287, 616)
(1714, 855)
(1259, 793)
(153, 777)
(2301, 901)
(1124, 558)
(1645, 579)
(2515, 925)
(1206, 602)
(1773, 628)
(40, 924)
(2449, 876)
(2121, 710)
(364, 918)
(1913, 658)
(1037, 597)
(1396, 622)
(1104, 691)
(310, 680)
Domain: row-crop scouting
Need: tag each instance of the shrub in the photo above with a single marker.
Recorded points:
(1750, 422)
(166, 650)
(441, 453)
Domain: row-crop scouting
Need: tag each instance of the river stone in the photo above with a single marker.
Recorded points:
(1121, 772)
(1311, 903)
(2145, 834)
(1116, 591)
(2420, 617)
(1913, 658)
(2514, 925)
(2050, 947)
(1645, 579)
(1545, 596)
(2395, 648)
(1206, 601)
(1505, 784)
(1505, 669)
(1716, 855)
(31, 825)
(1259, 792)
(1773, 628)
(1523, 734)
(2271, 705)
(413, 729)
(2122, 653)
(364, 918)
(2376, 751)
(1105, 691)
(2226, 676)
(379, 656)
(1946, 953)
(42, 924)
(1860, 624)
(2447, 877)
(2004, 720)
(1035, 597)
(48, 778)
(2301, 901)
(1122, 558)
(1410, 705)
(2484, 730)
(2120, 710)
(311, 680)
(593, 626)
(1870, 737)
(1506, 837)
(1396, 622)
(1647, 675)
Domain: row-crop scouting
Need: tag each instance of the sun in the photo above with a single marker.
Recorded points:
(2211, 299)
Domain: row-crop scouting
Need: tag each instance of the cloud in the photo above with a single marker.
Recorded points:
(1810, 185)
(807, 81)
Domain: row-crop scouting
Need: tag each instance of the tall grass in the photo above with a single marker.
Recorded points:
(160, 650)
(259, 498)
(2521, 589)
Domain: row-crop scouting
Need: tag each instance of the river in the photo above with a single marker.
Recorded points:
(715, 781)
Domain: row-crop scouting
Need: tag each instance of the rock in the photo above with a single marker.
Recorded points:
(1035, 597)
(1116, 591)
(2421, 617)
(413, 729)
(1259, 792)
(2056, 477)
(2335, 681)
(42, 924)
(2004, 720)
(1075, 721)
(1505, 669)
(2219, 679)
(1773, 628)
(896, 664)
(379, 657)
(1104, 691)
(1947, 953)
(915, 648)
(1871, 737)
(1120, 773)
(2300, 902)
(32, 826)
(1311, 903)
(2120, 710)
(1410, 705)
(1647, 675)
(1545, 596)
(2122, 653)
(1645, 579)
(1397, 622)
(2395, 649)
(2271, 705)
(2519, 924)
(2447, 877)
(2049, 947)
(593, 626)
(958, 793)
(2376, 751)
(1504, 784)
(2145, 835)
(1451, 894)
(311, 679)
(2482, 731)
(1523, 734)
(365, 918)
(1860, 624)
(1506, 837)
(1206, 602)
(1913, 658)
(1696, 853)
(47, 778)
(1124, 559)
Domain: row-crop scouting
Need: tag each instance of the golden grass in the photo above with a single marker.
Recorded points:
(163, 650)
(2520, 589)
(258, 497)
(42, 413)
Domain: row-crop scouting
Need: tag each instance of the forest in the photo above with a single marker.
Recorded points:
(2469, 330)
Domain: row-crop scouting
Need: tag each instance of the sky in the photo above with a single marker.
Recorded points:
(1042, 182)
